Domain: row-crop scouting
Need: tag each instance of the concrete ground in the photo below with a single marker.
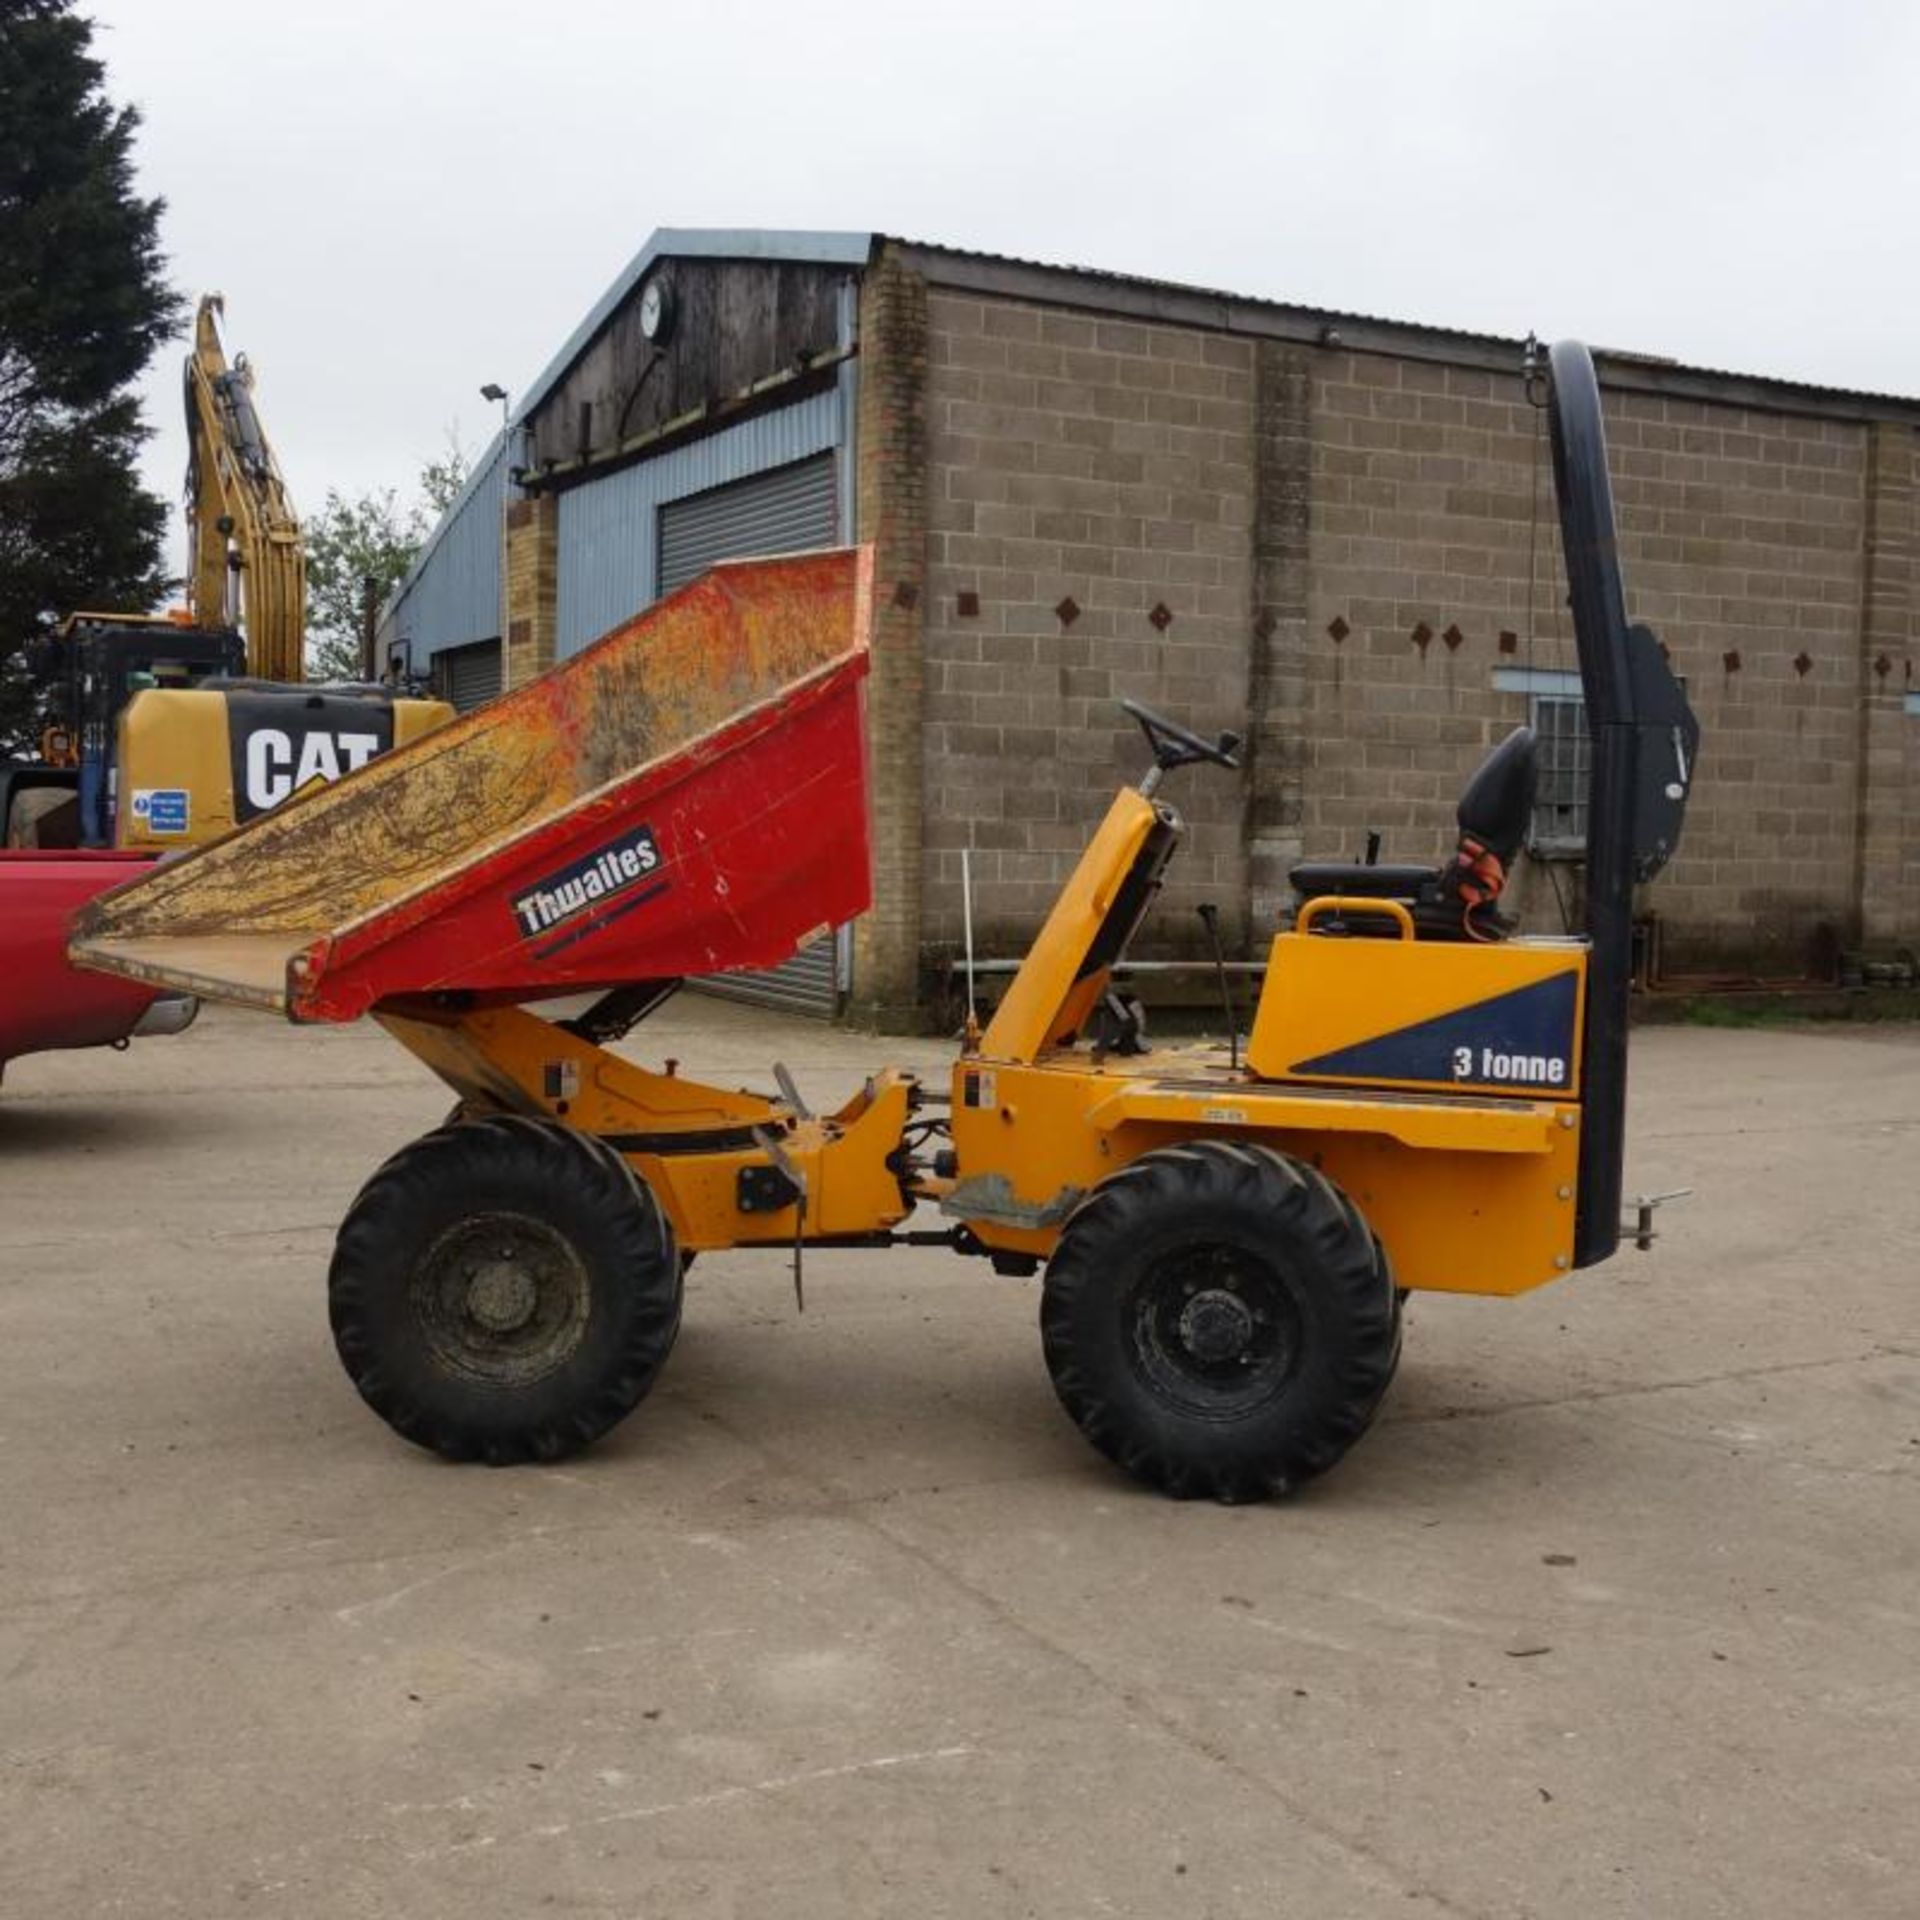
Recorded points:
(1615, 1613)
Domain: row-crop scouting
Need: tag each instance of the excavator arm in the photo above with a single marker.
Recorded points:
(240, 519)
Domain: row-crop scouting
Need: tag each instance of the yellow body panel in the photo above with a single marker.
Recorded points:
(1468, 1195)
(177, 740)
(687, 1141)
(1467, 1177)
(412, 719)
(1325, 997)
(1048, 999)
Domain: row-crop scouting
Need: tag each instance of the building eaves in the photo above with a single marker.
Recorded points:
(693, 243)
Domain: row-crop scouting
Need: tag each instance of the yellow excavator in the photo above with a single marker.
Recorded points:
(171, 729)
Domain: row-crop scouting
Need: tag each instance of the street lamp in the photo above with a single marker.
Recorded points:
(494, 391)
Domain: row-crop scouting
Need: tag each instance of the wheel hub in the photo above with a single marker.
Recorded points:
(1216, 1326)
(501, 1296)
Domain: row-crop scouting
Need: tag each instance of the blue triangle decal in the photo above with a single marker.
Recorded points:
(1522, 1039)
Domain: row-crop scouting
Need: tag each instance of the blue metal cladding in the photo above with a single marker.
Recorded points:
(610, 528)
(451, 596)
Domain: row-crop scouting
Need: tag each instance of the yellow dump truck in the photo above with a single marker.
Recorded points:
(1426, 1099)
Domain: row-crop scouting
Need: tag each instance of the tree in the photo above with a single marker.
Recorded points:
(367, 537)
(83, 305)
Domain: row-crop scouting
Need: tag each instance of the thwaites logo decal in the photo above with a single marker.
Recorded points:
(582, 898)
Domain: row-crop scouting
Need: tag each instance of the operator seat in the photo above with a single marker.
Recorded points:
(1454, 902)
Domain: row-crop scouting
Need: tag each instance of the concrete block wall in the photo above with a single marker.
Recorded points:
(1887, 861)
(1422, 522)
(1307, 513)
(1744, 534)
(1741, 533)
(1110, 463)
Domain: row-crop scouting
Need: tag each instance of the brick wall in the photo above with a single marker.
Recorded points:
(533, 583)
(893, 483)
(1422, 525)
(1742, 537)
(1887, 860)
(1743, 533)
(1280, 638)
(1111, 464)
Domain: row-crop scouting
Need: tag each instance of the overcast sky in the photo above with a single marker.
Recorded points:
(405, 199)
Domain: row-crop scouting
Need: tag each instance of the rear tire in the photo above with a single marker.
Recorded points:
(505, 1290)
(1220, 1321)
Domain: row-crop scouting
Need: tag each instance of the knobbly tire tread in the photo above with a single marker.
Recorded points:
(577, 1185)
(1336, 1269)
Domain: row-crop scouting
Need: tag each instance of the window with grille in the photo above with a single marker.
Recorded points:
(1560, 800)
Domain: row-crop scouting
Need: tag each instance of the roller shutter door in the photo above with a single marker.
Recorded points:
(786, 511)
(809, 983)
(469, 676)
(789, 510)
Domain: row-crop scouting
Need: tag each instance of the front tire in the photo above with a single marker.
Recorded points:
(504, 1289)
(1219, 1320)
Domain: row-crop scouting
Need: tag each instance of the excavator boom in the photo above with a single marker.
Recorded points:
(247, 563)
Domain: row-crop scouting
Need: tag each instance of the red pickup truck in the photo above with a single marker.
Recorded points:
(44, 1002)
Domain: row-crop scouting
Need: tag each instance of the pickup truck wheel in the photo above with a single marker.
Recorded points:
(1219, 1320)
(504, 1290)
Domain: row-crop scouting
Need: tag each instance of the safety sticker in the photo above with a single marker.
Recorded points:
(163, 809)
(978, 1090)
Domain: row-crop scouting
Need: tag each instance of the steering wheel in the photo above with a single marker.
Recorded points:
(1174, 746)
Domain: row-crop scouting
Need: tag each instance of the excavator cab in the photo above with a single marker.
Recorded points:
(97, 664)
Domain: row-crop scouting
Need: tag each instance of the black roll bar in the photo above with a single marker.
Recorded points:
(1645, 745)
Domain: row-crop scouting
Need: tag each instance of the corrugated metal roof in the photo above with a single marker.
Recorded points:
(1619, 357)
(1225, 296)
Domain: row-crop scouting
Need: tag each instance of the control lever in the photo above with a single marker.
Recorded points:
(1210, 919)
(789, 1092)
(769, 1143)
